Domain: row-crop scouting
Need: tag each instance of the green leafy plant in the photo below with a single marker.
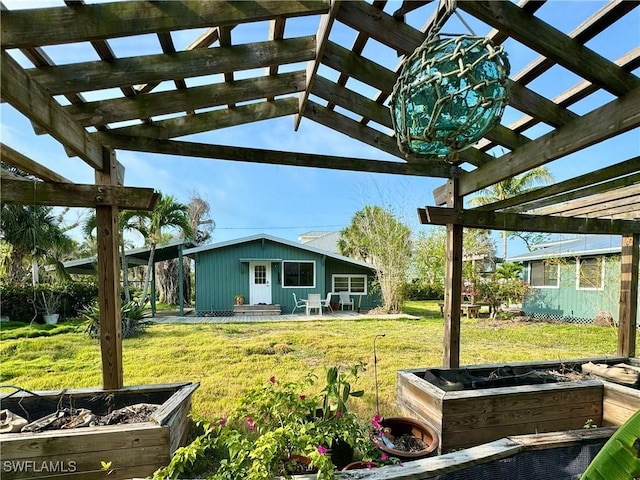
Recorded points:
(133, 318)
(280, 429)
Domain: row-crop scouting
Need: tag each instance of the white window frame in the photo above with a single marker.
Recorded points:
(299, 286)
(349, 276)
(557, 265)
(579, 265)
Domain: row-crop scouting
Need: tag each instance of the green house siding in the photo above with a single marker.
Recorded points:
(222, 273)
(364, 302)
(568, 301)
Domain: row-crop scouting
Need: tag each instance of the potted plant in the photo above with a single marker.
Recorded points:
(280, 430)
(49, 304)
(239, 299)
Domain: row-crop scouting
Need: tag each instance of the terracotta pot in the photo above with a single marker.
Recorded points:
(400, 426)
(359, 465)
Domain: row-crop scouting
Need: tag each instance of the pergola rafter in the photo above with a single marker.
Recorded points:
(294, 75)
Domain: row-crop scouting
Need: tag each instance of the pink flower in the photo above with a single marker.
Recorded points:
(339, 415)
(222, 421)
(272, 379)
(368, 464)
(384, 456)
(251, 423)
(375, 421)
(322, 450)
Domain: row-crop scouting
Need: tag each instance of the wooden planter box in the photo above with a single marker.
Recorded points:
(466, 418)
(134, 450)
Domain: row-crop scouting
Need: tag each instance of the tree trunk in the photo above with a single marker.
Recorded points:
(186, 280)
(504, 246)
(147, 275)
(125, 271)
(167, 278)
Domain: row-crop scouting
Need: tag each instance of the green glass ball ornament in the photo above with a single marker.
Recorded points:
(449, 93)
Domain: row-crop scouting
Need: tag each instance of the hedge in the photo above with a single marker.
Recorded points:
(17, 300)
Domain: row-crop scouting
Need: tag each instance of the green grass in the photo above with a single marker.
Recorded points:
(227, 359)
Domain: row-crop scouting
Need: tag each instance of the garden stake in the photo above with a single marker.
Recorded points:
(375, 370)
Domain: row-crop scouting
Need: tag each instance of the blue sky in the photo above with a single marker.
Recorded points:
(286, 201)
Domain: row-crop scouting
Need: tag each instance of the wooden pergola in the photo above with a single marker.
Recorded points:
(603, 201)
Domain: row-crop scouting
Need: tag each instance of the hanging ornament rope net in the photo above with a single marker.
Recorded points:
(450, 92)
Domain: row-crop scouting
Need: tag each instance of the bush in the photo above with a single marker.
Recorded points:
(133, 317)
(17, 299)
(420, 291)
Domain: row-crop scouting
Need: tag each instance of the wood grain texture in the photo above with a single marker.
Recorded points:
(58, 25)
(243, 154)
(35, 103)
(628, 312)
(116, 110)
(612, 119)
(530, 223)
(88, 76)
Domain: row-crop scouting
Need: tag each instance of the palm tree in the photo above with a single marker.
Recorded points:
(128, 221)
(168, 213)
(512, 187)
(35, 234)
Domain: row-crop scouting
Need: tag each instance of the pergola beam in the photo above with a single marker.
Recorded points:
(322, 38)
(161, 103)
(24, 163)
(553, 44)
(526, 223)
(34, 102)
(276, 157)
(590, 183)
(77, 195)
(610, 120)
(208, 121)
(24, 28)
(88, 76)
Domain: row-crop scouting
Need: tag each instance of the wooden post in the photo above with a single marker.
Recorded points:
(109, 279)
(453, 283)
(628, 310)
(153, 289)
(180, 281)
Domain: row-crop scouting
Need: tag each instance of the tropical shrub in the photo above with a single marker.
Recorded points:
(276, 425)
(133, 317)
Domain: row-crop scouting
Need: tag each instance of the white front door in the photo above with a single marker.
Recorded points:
(260, 283)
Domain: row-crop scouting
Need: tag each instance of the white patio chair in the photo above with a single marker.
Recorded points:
(345, 299)
(326, 303)
(314, 302)
(298, 303)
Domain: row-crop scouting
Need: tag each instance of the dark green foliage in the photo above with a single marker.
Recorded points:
(17, 299)
(419, 291)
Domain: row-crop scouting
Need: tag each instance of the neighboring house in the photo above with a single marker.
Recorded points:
(269, 270)
(323, 240)
(573, 279)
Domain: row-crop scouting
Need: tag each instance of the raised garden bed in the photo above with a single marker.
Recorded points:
(474, 405)
(133, 449)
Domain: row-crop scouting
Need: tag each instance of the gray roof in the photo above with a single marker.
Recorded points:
(302, 246)
(323, 240)
(578, 246)
(136, 256)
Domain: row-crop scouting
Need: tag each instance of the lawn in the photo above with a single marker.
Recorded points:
(229, 358)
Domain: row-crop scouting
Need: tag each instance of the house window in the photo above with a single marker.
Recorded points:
(260, 275)
(299, 274)
(590, 274)
(544, 274)
(354, 284)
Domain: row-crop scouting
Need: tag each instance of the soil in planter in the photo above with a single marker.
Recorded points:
(466, 379)
(409, 443)
(68, 418)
